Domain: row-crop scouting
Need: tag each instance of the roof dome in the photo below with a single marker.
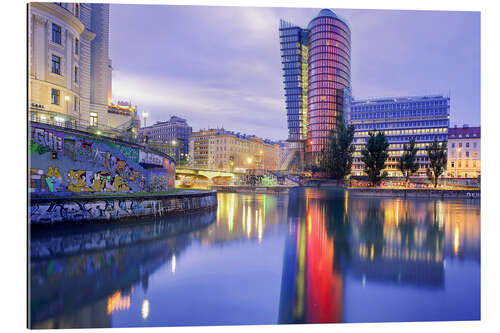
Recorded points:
(326, 13)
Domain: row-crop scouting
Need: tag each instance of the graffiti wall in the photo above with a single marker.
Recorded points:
(59, 210)
(63, 162)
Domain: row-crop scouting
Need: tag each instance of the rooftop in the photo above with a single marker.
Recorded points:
(464, 132)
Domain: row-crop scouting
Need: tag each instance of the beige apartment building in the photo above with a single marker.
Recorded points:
(464, 152)
(218, 149)
(69, 70)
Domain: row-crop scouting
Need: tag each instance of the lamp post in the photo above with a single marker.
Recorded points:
(145, 116)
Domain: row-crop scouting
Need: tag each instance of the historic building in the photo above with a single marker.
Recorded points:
(171, 137)
(316, 65)
(400, 118)
(464, 152)
(69, 69)
(219, 149)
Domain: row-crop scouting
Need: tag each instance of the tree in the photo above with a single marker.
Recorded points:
(438, 158)
(374, 156)
(337, 155)
(407, 162)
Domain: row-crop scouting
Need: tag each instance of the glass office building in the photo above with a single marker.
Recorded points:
(316, 70)
(424, 117)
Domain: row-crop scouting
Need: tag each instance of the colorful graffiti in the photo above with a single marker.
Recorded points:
(86, 164)
(110, 209)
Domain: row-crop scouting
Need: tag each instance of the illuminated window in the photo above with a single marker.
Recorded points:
(54, 96)
(93, 119)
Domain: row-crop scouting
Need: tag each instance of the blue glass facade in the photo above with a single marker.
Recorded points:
(400, 118)
(294, 55)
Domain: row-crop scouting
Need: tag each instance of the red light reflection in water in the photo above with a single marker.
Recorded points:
(324, 285)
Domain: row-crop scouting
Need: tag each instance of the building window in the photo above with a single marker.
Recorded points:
(460, 144)
(56, 64)
(453, 145)
(54, 97)
(475, 144)
(76, 104)
(77, 45)
(76, 74)
(56, 33)
(93, 119)
(466, 154)
(475, 154)
(452, 164)
(467, 145)
(77, 10)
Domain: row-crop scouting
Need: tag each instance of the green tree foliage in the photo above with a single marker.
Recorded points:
(337, 155)
(374, 156)
(438, 158)
(407, 162)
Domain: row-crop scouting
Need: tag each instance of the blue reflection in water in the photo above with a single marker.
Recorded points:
(313, 256)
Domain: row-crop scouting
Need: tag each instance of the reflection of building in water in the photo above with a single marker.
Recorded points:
(386, 240)
(407, 240)
(64, 289)
(462, 231)
(244, 217)
(311, 290)
(397, 241)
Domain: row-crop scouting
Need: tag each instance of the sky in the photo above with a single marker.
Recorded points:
(221, 66)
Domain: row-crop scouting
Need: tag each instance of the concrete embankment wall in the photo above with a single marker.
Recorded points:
(416, 193)
(253, 189)
(116, 208)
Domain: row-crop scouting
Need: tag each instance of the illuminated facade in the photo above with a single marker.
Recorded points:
(69, 70)
(400, 118)
(316, 66)
(464, 152)
(218, 149)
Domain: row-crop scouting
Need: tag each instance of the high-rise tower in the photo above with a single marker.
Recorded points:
(317, 79)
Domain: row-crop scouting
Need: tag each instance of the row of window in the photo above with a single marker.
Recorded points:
(399, 125)
(408, 113)
(467, 154)
(459, 164)
(467, 144)
(399, 106)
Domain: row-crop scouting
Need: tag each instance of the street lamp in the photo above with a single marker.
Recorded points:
(145, 116)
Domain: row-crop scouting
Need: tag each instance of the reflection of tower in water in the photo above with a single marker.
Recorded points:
(311, 290)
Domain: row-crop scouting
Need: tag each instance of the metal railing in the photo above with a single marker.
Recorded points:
(42, 116)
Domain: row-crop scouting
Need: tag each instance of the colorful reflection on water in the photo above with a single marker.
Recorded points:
(313, 256)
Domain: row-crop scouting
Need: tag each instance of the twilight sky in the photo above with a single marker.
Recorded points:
(221, 66)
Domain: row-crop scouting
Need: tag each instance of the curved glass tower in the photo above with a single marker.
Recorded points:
(316, 66)
(329, 65)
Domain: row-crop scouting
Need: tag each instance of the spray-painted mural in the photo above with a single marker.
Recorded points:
(65, 162)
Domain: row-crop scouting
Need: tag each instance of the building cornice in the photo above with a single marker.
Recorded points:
(61, 13)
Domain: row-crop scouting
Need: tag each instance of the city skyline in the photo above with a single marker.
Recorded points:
(230, 74)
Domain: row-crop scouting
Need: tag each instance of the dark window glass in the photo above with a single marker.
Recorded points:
(76, 74)
(77, 45)
(56, 64)
(54, 96)
(56, 33)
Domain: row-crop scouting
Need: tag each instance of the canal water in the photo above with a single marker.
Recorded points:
(311, 256)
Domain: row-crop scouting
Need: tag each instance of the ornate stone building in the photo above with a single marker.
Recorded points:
(69, 69)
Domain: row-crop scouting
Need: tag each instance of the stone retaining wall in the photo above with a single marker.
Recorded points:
(58, 210)
(416, 193)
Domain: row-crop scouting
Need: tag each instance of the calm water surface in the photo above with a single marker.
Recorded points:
(313, 256)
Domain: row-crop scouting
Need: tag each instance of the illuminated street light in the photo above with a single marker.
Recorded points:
(145, 116)
(249, 160)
